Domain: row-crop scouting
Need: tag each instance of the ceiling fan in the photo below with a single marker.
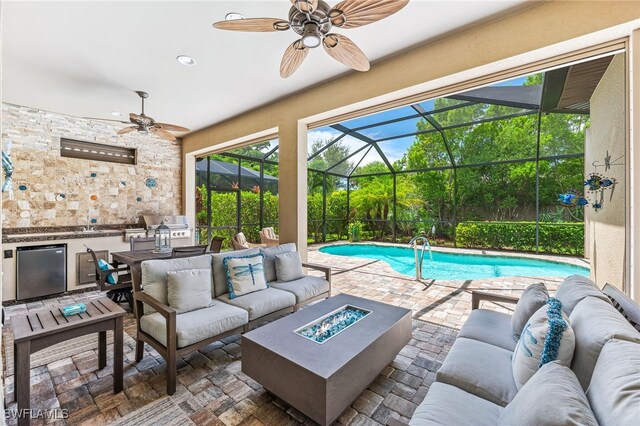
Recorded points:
(313, 19)
(145, 124)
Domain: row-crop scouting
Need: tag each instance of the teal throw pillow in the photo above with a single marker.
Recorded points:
(104, 266)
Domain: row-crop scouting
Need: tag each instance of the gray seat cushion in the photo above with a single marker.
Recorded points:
(594, 323)
(533, 298)
(261, 303)
(490, 327)
(219, 274)
(196, 326)
(481, 369)
(552, 397)
(270, 254)
(614, 392)
(304, 288)
(154, 275)
(575, 288)
(448, 405)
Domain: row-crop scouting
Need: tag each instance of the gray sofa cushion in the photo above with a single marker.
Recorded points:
(195, 326)
(594, 323)
(261, 303)
(614, 392)
(481, 369)
(219, 273)
(490, 327)
(189, 290)
(270, 254)
(552, 397)
(289, 266)
(533, 298)
(154, 275)
(304, 288)
(448, 405)
(575, 288)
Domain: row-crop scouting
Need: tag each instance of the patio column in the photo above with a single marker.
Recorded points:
(292, 185)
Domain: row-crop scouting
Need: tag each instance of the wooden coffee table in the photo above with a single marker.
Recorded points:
(45, 327)
(322, 380)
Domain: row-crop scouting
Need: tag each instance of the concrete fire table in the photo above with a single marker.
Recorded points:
(319, 363)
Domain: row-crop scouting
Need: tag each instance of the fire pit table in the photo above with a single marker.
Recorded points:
(321, 358)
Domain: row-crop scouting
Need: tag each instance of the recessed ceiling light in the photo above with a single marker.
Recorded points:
(116, 113)
(233, 16)
(186, 60)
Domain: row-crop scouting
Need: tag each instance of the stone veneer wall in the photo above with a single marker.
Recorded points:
(49, 190)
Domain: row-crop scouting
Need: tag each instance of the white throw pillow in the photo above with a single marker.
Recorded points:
(289, 266)
(245, 274)
(546, 337)
(189, 289)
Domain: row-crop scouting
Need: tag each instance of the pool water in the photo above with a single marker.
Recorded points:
(454, 266)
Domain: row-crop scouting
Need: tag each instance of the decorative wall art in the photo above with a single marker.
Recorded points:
(151, 183)
(7, 166)
(596, 184)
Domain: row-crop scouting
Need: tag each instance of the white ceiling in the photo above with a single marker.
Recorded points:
(88, 58)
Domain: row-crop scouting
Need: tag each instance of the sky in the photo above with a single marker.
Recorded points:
(394, 149)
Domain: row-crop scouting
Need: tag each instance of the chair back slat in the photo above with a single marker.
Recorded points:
(188, 251)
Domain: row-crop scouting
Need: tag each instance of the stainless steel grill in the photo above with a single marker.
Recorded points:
(179, 225)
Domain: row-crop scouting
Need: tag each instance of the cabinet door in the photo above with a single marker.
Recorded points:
(85, 269)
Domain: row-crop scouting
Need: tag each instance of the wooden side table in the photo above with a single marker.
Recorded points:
(45, 327)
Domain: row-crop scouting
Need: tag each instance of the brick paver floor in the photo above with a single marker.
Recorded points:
(213, 391)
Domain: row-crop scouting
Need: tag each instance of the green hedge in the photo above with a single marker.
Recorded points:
(556, 238)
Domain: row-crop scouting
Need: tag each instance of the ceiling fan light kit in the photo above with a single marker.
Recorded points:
(312, 20)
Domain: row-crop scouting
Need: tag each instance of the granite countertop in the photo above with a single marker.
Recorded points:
(26, 235)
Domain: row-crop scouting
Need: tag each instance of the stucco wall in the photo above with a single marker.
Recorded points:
(606, 228)
(50, 190)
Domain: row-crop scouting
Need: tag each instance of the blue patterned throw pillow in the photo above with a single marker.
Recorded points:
(546, 337)
(245, 274)
(104, 266)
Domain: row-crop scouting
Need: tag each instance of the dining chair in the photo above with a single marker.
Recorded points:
(188, 251)
(143, 243)
(115, 280)
(216, 244)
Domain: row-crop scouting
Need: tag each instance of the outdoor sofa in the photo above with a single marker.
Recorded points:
(475, 384)
(177, 332)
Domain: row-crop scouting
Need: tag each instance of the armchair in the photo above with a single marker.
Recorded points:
(268, 236)
(239, 242)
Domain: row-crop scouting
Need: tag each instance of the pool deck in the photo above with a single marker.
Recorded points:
(445, 302)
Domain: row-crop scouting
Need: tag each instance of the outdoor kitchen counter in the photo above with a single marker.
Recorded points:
(56, 236)
(76, 243)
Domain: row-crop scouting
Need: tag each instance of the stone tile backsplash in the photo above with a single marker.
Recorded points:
(49, 190)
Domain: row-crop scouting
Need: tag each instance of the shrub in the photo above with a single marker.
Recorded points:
(556, 238)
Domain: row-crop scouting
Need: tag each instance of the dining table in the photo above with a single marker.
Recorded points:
(134, 259)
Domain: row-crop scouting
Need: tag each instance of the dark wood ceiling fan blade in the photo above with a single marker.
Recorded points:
(135, 117)
(106, 119)
(306, 6)
(171, 127)
(356, 13)
(260, 25)
(343, 50)
(127, 130)
(162, 133)
(292, 58)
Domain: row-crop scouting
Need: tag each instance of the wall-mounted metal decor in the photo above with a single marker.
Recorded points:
(96, 151)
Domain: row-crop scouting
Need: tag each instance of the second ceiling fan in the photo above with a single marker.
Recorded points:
(312, 20)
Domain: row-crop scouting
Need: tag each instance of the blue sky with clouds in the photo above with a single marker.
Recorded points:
(394, 149)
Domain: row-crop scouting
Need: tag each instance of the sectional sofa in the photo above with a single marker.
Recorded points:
(175, 333)
(475, 384)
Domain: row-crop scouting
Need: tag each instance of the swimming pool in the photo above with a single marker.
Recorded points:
(455, 266)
